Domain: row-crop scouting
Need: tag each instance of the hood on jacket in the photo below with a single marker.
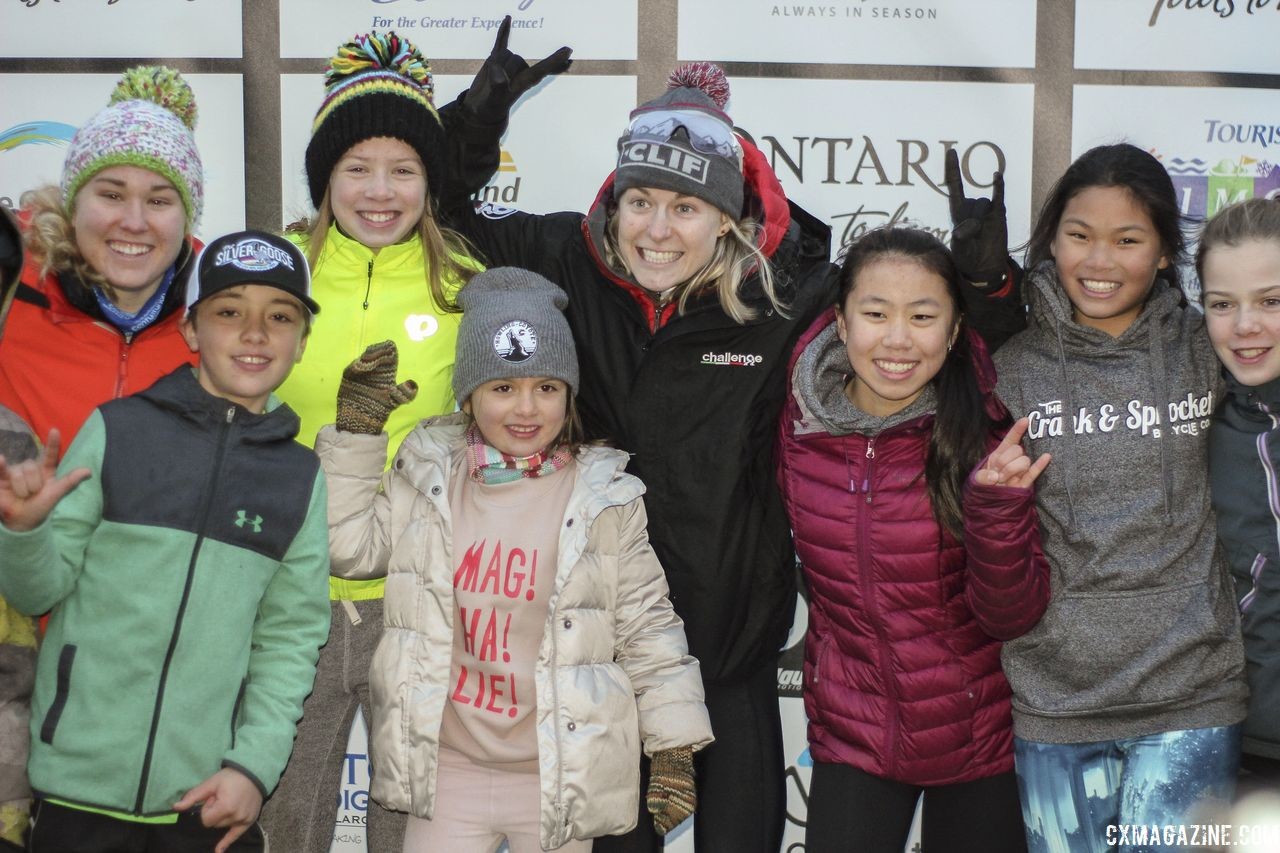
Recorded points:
(820, 368)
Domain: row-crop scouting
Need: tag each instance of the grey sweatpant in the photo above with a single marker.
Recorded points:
(300, 816)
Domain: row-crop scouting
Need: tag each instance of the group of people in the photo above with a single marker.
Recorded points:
(550, 548)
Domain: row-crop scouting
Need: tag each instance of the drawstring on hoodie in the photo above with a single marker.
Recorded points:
(1068, 463)
(1160, 379)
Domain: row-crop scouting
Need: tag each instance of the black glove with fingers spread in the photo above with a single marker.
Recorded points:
(671, 797)
(505, 76)
(979, 227)
(368, 392)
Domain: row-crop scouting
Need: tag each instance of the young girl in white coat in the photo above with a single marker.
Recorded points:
(530, 647)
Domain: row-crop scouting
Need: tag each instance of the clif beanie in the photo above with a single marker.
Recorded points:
(376, 85)
(148, 123)
(682, 141)
(512, 327)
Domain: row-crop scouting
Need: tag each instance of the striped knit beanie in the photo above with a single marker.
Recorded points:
(148, 123)
(376, 85)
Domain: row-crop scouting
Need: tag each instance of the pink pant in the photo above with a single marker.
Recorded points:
(476, 808)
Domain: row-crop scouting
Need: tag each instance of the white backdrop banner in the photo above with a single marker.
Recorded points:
(980, 33)
(1219, 145)
(847, 159)
(1178, 35)
(561, 143)
(36, 127)
(464, 29)
(49, 28)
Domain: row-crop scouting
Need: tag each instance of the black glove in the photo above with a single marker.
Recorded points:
(979, 229)
(505, 76)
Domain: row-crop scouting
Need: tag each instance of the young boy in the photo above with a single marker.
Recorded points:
(182, 548)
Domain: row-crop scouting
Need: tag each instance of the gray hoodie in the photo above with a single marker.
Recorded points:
(1141, 635)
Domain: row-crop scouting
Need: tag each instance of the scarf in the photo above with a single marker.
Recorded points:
(490, 466)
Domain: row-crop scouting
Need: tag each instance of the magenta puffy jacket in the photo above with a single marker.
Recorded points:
(902, 656)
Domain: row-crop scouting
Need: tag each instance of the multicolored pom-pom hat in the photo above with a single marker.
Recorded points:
(376, 85)
(149, 122)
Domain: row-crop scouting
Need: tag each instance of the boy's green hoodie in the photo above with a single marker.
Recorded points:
(187, 580)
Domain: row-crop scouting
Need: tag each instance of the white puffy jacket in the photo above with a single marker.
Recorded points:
(613, 668)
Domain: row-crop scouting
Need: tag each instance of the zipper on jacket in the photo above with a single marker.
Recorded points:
(122, 367)
(368, 284)
(882, 642)
(871, 458)
(224, 430)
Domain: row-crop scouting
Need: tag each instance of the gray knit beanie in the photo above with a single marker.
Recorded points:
(512, 327)
(682, 141)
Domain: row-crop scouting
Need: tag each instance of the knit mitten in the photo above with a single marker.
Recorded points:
(369, 392)
(672, 796)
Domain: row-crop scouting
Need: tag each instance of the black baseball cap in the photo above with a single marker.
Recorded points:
(251, 257)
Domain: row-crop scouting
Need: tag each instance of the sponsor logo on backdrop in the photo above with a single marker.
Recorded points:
(404, 18)
(1163, 9)
(877, 10)
(866, 161)
(501, 195)
(353, 798)
(1205, 187)
(36, 133)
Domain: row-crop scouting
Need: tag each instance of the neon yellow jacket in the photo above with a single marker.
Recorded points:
(367, 298)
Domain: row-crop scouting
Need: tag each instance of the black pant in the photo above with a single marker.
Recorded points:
(58, 829)
(741, 787)
(853, 810)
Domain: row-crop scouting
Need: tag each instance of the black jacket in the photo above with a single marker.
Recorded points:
(698, 421)
(1244, 453)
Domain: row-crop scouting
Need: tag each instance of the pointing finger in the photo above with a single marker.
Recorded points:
(504, 33)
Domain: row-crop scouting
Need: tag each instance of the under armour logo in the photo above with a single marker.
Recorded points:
(242, 518)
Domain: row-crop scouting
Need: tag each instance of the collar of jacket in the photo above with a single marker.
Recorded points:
(345, 250)
(180, 392)
(434, 447)
(1256, 402)
(72, 299)
(1052, 312)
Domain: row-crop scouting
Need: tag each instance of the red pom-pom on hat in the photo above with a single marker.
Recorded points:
(706, 76)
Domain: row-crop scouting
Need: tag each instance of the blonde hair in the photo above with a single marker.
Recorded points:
(51, 238)
(736, 255)
(442, 249)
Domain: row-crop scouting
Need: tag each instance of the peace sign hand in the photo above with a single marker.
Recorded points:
(30, 490)
(1009, 464)
(979, 227)
(505, 76)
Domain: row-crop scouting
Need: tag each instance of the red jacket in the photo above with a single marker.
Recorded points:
(59, 359)
(902, 665)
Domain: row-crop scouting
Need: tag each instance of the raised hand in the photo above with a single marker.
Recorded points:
(505, 76)
(368, 392)
(30, 490)
(979, 226)
(1009, 464)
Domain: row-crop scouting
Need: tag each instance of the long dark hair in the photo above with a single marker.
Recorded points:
(1125, 167)
(961, 424)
